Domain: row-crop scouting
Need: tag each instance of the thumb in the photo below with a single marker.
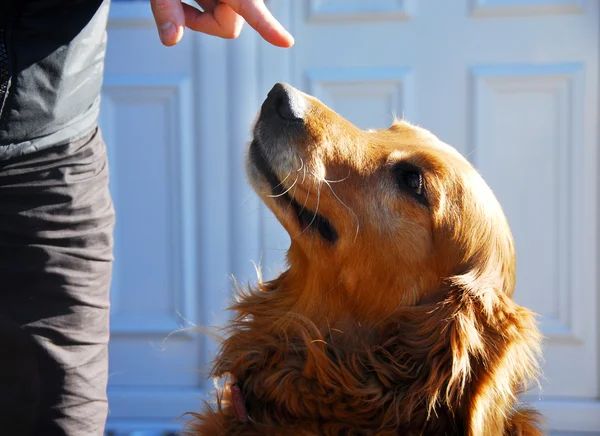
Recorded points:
(170, 20)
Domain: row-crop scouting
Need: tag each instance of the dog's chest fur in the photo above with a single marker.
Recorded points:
(333, 390)
(424, 372)
(339, 382)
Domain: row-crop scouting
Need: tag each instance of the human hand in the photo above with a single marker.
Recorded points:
(223, 18)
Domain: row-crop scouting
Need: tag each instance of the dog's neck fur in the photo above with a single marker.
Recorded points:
(335, 297)
(411, 374)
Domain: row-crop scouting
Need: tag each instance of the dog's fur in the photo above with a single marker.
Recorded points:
(395, 315)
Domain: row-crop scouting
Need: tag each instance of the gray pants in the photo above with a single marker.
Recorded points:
(56, 241)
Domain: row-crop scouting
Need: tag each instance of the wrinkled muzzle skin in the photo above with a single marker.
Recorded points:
(354, 228)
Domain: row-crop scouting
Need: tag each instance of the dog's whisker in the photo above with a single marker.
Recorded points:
(292, 197)
(323, 179)
(283, 181)
(305, 202)
(246, 198)
(349, 210)
(355, 216)
(286, 191)
(304, 173)
(316, 213)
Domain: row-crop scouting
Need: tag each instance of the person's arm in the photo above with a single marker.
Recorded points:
(223, 18)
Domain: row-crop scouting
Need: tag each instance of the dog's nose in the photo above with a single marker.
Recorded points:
(287, 102)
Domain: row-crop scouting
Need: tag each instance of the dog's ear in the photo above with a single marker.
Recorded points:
(478, 358)
(507, 366)
(494, 343)
(498, 343)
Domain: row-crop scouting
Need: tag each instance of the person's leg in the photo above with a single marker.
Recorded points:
(56, 238)
(19, 380)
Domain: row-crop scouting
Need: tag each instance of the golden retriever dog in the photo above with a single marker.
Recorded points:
(394, 316)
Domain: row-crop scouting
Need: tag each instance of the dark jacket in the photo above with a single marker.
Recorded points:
(51, 67)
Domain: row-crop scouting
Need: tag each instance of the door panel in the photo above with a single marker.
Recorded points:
(528, 144)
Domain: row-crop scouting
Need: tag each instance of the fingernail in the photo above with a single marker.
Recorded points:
(293, 41)
(288, 36)
(167, 32)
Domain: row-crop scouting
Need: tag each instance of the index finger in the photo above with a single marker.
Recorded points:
(260, 18)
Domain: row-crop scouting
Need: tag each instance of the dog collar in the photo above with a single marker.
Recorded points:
(239, 406)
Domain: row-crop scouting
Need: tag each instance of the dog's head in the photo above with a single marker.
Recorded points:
(377, 219)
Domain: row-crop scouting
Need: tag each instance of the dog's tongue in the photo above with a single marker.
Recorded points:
(239, 406)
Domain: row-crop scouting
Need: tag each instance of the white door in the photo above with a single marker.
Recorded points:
(513, 84)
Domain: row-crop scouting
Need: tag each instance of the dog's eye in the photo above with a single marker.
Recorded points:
(409, 178)
(414, 181)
